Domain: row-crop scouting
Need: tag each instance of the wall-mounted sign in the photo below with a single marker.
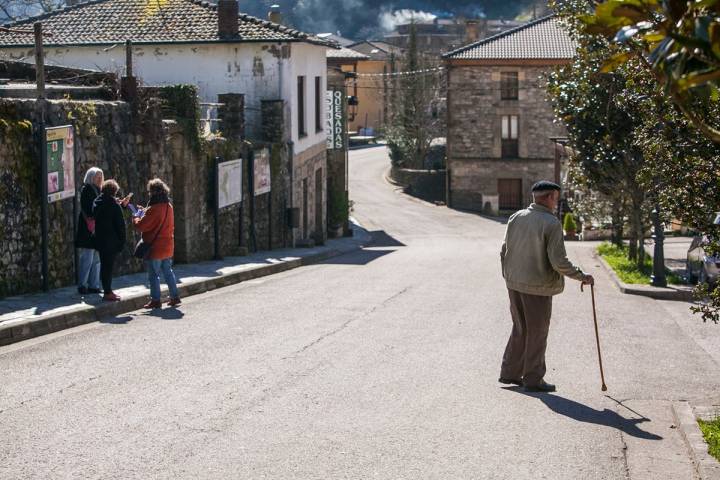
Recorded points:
(335, 125)
(262, 172)
(60, 142)
(229, 183)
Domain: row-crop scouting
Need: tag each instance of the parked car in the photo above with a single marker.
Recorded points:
(700, 266)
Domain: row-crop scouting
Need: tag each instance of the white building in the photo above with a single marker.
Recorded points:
(195, 42)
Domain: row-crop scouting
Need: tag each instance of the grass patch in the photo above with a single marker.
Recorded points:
(627, 270)
(711, 433)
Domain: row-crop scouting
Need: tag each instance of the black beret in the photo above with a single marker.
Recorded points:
(544, 185)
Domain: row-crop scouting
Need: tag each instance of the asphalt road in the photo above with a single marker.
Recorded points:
(378, 364)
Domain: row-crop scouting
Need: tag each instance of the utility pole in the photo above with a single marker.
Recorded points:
(658, 278)
(39, 61)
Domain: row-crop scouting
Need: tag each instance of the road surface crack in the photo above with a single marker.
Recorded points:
(344, 325)
(62, 390)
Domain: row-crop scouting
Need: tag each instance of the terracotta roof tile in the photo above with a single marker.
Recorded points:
(144, 21)
(544, 38)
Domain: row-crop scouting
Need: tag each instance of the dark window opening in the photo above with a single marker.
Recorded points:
(302, 131)
(318, 104)
(509, 85)
(510, 136)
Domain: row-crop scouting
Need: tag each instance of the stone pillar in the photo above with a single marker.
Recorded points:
(273, 121)
(337, 181)
(232, 115)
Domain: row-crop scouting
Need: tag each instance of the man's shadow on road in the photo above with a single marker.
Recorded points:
(583, 413)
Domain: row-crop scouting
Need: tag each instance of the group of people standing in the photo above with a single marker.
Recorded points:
(101, 236)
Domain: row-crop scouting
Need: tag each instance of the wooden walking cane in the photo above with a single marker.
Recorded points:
(597, 335)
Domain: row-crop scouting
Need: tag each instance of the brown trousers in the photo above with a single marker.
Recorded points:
(525, 352)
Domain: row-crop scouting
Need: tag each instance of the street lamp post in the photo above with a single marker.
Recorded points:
(658, 279)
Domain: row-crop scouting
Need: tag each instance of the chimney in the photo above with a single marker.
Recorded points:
(227, 19)
(274, 15)
(472, 31)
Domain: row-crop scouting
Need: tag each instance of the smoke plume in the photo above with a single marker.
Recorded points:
(361, 19)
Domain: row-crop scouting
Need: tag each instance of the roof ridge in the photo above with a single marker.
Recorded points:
(500, 35)
(66, 8)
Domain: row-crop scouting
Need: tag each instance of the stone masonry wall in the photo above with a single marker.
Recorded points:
(105, 138)
(305, 168)
(132, 144)
(474, 134)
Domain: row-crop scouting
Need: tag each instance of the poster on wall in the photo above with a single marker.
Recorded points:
(59, 142)
(229, 183)
(335, 130)
(262, 172)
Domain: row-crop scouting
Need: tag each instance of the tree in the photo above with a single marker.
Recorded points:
(680, 160)
(601, 122)
(413, 123)
(678, 41)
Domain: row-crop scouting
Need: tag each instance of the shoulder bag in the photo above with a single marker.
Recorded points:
(142, 249)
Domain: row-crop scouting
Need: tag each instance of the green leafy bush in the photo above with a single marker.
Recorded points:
(711, 432)
(569, 224)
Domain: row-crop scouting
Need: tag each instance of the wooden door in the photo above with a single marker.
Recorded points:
(510, 194)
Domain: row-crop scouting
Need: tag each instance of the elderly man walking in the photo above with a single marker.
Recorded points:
(533, 262)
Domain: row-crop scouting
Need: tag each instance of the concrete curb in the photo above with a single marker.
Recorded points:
(669, 293)
(706, 467)
(78, 315)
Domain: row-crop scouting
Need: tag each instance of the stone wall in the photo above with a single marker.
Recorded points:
(105, 137)
(428, 185)
(475, 109)
(309, 167)
(132, 144)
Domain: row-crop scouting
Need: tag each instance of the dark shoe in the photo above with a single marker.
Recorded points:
(82, 290)
(94, 290)
(111, 297)
(153, 304)
(543, 387)
(174, 302)
(510, 381)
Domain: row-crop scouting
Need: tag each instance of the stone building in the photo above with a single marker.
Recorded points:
(372, 85)
(220, 51)
(500, 121)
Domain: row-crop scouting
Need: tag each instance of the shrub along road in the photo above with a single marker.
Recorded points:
(377, 364)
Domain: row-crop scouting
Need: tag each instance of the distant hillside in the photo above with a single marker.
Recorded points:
(353, 18)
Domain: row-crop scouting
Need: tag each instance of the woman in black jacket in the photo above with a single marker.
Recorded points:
(89, 260)
(109, 233)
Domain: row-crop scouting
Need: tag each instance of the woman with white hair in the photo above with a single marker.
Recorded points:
(89, 259)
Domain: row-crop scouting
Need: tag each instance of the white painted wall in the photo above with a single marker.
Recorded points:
(258, 70)
(310, 65)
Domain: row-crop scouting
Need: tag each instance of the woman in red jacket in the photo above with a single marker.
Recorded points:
(157, 225)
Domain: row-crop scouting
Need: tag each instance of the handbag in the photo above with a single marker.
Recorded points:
(142, 249)
(90, 224)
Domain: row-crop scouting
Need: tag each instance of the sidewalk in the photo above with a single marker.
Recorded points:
(28, 316)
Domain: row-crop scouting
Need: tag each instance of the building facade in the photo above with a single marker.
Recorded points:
(214, 47)
(501, 126)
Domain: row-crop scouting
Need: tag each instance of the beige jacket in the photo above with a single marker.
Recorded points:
(533, 254)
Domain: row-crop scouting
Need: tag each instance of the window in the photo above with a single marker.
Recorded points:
(302, 131)
(509, 85)
(510, 194)
(318, 105)
(509, 136)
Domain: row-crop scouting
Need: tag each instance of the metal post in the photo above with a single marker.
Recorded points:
(216, 182)
(44, 203)
(270, 229)
(658, 278)
(251, 181)
(128, 58)
(39, 61)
